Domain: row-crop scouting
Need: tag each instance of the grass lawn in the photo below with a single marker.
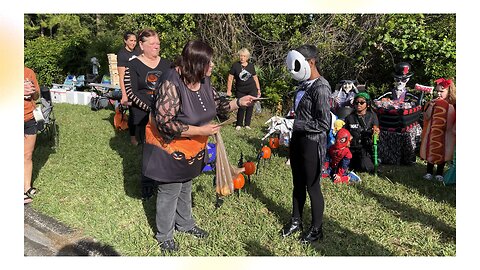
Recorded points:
(91, 183)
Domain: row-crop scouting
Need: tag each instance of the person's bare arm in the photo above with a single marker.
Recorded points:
(229, 84)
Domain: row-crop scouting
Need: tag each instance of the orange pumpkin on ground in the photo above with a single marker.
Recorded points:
(249, 167)
(274, 142)
(239, 181)
(267, 152)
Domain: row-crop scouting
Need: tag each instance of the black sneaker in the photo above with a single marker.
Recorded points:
(313, 234)
(168, 246)
(197, 232)
(294, 226)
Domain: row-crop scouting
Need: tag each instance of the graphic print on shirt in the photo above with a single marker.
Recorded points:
(152, 78)
(244, 75)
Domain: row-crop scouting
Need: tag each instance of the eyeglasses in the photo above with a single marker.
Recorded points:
(401, 80)
(359, 102)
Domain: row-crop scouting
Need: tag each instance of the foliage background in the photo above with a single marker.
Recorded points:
(363, 47)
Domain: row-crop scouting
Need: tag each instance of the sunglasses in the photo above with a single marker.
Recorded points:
(401, 80)
(359, 102)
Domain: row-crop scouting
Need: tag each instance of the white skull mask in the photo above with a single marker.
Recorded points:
(347, 86)
(400, 85)
(298, 66)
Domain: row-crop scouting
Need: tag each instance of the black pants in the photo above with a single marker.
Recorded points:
(245, 112)
(306, 170)
(362, 161)
(131, 126)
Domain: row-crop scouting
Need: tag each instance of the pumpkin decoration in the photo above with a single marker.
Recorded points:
(120, 120)
(249, 168)
(239, 181)
(266, 152)
(152, 78)
(274, 143)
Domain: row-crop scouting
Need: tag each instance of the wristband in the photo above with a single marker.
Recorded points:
(238, 103)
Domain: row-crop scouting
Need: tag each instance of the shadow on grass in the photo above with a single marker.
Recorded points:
(44, 146)
(131, 160)
(411, 176)
(410, 214)
(283, 215)
(87, 248)
(150, 207)
(339, 241)
(132, 171)
(253, 248)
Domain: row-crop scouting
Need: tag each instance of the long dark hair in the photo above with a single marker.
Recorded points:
(127, 35)
(194, 61)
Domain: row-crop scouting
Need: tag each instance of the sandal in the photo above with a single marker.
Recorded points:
(31, 192)
(26, 199)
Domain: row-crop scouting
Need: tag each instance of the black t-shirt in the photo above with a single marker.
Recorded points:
(361, 129)
(243, 77)
(124, 56)
(141, 80)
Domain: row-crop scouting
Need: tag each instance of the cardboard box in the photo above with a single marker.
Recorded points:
(78, 98)
(112, 57)
(58, 95)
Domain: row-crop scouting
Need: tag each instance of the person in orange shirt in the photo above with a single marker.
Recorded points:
(31, 92)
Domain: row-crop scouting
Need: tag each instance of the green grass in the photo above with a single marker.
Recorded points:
(91, 183)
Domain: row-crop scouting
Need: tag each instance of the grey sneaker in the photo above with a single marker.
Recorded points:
(238, 127)
(428, 176)
(354, 178)
(439, 178)
(247, 127)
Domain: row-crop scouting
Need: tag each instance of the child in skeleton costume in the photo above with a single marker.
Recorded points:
(338, 160)
(312, 122)
(343, 97)
(438, 136)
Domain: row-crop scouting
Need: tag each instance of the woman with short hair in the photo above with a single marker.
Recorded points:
(246, 83)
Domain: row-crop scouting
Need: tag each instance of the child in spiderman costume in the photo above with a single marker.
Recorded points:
(338, 160)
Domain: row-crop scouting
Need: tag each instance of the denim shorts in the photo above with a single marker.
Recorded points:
(30, 127)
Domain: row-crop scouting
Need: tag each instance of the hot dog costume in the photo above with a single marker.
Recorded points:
(438, 136)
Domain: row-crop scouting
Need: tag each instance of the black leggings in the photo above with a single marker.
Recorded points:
(245, 112)
(131, 125)
(305, 163)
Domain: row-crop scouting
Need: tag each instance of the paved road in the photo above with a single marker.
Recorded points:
(44, 236)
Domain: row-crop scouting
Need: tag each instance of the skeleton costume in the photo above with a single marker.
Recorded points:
(398, 119)
(343, 97)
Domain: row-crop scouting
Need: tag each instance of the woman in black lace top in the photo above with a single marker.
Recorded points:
(176, 138)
